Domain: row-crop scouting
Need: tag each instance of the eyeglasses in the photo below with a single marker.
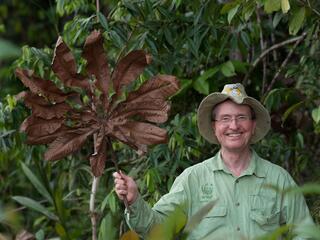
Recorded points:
(228, 119)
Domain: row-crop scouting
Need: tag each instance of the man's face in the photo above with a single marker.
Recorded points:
(233, 125)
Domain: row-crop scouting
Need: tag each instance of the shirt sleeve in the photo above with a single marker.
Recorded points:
(296, 211)
(142, 217)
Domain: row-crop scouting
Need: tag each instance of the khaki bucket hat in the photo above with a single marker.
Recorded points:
(237, 94)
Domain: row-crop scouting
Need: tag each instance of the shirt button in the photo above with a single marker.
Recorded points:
(237, 204)
(238, 228)
(237, 181)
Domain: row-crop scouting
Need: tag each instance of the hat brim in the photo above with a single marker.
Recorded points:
(204, 116)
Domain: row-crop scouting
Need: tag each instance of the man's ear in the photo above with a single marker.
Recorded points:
(254, 122)
(213, 126)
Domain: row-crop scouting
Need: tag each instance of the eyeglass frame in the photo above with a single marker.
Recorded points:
(227, 119)
(252, 117)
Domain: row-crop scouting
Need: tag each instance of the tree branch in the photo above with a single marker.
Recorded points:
(284, 63)
(262, 46)
(265, 52)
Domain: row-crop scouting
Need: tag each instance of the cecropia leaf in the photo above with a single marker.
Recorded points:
(40, 86)
(158, 87)
(128, 69)
(35, 126)
(44, 109)
(155, 111)
(48, 138)
(98, 159)
(66, 144)
(97, 63)
(65, 67)
(140, 133)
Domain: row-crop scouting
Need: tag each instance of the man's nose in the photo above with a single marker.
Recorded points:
(233, 123)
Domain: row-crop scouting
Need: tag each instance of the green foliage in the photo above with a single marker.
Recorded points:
(205, 44)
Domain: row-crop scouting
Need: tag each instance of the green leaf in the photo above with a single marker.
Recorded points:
(198, 216)
(228, 7)
(8, 50)
(232, 13)
(285, 6)
(228, 69)
(59, 7)
(30, 203)
(296, 21)
(36, 183)
(290, 110)
(276, 19)
(61, 231)
(130, 235)
(308, 188)
(201, 84)
(272, 6)
(103, 21)
(107, 229)
(312, 231)
(316, 115)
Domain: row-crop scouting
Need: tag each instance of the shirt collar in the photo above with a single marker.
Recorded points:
(254, 167)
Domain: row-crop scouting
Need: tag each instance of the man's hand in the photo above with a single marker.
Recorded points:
(125, 187)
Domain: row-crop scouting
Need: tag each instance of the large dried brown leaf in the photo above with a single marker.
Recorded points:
(140, 133)
(158, 87)
(97, 63)
(128, 69)
(41, 87)
(46, 139)
(98, 159)
(65, 67)
(123, 137)
(155, 111)
(65, 145)
(36, 127)
(41, 108)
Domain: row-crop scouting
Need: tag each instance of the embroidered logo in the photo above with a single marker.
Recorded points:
(206, 192)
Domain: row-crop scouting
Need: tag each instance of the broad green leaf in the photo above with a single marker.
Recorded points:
(228, 7)
(8, 50)
(285, 6)
(276, 19)
(107, 229)
(198, 216)
(290, 110)
(172, 225)
(103, 21)
(276, 234)
(308, 188)
(61, 231)
(201, 84)
(297, 20)
(36, 183)
(30, 203)
(130, 235)
(312, 231)
(232, 13)
(60, 7)
(272, 6)
(316, 114)
(228, 69)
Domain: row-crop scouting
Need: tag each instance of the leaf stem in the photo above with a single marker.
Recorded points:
(113, 158)
(94, 187)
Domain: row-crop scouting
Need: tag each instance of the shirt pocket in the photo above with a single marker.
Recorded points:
(264, 214)
(214, 221)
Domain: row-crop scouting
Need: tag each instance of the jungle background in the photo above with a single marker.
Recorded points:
(271, 46)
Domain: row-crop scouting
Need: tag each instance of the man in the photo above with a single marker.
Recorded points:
(246, 207)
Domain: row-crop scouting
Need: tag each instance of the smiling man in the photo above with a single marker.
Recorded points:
(236, 177)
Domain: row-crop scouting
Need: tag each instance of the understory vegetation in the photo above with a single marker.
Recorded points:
(271, 46)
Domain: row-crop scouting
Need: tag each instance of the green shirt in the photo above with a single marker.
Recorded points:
(246, 207)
